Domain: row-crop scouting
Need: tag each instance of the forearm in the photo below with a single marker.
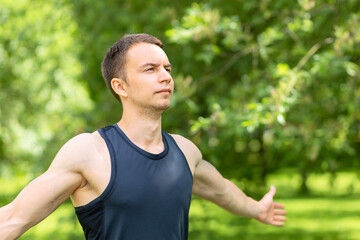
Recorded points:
(34, 203)
(211, 185)
(236, 201)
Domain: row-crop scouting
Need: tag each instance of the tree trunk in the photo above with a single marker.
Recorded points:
(304, 188)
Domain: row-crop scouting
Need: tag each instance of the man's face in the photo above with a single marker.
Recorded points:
(148, 80)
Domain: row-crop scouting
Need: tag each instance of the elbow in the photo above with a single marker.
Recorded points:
(216, 190)
(223, 199)
(7, 214)
(11, 226)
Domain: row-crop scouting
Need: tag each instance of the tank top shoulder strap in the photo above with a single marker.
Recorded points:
(109, 134)
(172, 142)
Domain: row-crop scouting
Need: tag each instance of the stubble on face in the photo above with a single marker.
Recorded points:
(143, 85)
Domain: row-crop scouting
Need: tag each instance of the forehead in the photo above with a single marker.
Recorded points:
(146, 52)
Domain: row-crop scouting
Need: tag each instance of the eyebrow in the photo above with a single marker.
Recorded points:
(154, 65)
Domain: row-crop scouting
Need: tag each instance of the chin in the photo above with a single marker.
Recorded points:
(157, 109)
(163, 107)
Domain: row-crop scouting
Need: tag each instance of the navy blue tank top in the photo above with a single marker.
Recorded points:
(148, 196)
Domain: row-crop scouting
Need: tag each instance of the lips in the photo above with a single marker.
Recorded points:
(164, 90)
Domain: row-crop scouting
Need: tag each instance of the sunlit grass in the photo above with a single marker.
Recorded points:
(288, 183)
(308, 218)
(331, 212)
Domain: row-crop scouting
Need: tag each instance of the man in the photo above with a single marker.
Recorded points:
(131, 180)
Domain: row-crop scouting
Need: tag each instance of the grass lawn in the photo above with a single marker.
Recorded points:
(308, 218)
(331, 212)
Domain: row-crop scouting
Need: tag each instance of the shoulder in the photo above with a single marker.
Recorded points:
(83, 140)
(79, 149)
(190, 150)
(82, 143)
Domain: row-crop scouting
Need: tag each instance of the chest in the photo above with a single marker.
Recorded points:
(136, 180)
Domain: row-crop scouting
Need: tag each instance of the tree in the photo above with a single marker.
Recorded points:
(42, 96)
(281, 78)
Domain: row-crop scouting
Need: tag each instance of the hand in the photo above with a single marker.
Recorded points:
(271, 212)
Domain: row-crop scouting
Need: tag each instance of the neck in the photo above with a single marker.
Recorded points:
(143, 129)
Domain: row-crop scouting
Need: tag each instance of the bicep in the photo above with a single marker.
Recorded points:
(208, 182)
(44, 194)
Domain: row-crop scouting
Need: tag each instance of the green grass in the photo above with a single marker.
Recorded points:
(308, 218)
(332, 211)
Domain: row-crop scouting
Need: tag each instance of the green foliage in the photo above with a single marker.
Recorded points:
(260, 85)
(290, 74)
(281, 77)
(42, 93)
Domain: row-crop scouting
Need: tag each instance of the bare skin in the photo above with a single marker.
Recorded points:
(81, 169)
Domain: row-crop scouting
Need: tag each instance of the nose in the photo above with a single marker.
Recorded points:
(165, 75)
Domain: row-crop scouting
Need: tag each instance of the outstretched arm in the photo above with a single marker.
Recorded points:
(209, 184)
(43, 195)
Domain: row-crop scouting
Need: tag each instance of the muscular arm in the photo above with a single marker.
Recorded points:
(209, 184)
(44, 194)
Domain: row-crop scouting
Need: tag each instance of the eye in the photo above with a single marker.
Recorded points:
(168, 70)
(149, 69)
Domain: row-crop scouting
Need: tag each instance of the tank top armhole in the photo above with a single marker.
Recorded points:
(177, 146)
(105, 194)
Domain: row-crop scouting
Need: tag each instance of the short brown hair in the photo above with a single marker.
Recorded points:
(113, 64)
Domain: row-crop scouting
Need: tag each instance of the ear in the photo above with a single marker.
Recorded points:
(119, 87)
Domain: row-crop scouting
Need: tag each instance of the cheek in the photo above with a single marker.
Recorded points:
(141, 85)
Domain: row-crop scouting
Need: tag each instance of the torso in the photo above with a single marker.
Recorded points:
(96, 168)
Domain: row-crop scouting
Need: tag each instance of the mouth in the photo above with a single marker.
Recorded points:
(164, 91)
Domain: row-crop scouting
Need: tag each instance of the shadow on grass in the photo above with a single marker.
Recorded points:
(284, 235)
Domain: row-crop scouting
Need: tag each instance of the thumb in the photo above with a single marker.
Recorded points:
(272, 190)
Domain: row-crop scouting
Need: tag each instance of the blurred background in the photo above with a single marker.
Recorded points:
(268, 90)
